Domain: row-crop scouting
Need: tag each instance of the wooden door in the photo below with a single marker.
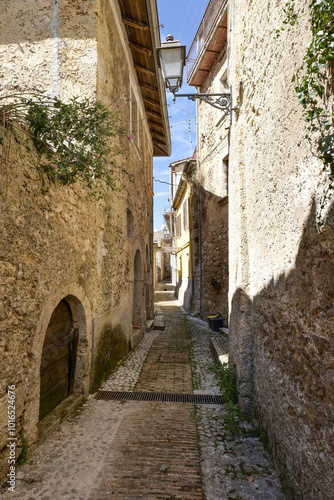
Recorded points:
(58, 359)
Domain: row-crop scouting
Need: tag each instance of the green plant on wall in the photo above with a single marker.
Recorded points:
(23, 457)
(228, 387)
(68, 142)
(211, 280)
(314, 85)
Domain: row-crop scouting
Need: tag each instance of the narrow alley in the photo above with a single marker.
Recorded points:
(153, 450)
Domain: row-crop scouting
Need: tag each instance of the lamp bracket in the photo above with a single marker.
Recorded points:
(219, 101)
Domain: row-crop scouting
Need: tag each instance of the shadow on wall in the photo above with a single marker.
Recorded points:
(282, 342)
(45, 23)
(112, 347)
(177, 288)
(184, 292)
(209, 236)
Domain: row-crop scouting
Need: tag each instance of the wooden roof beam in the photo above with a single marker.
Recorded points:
(156, 125)
(134, 23)
(148, 87)
(150, 101)
(140, 48)
(153, 113)
(163, 151)
(158, 134)
(155, 140)
(144, 70)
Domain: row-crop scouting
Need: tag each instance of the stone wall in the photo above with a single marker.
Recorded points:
(281, 270)
(211, 252)
(59, 245)
(53, 43)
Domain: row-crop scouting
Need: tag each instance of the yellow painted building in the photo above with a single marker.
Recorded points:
(182, 260)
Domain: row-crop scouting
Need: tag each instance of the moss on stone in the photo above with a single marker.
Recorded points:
(112, 346)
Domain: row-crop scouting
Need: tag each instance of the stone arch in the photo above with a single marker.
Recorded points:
(137, 317)
(129, 223)
(194, 227)
(148, 306)
(148, 260)
(63, 356)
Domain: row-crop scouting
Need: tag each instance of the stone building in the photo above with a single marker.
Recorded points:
(76, 274)
(207, 71)
(280, 297)
(281, 270)
(183, 223)
(161, 254)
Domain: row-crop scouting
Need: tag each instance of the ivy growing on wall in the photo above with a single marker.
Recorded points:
(68, 142)
(315, 84)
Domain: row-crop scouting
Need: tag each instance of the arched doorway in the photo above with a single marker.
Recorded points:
(58, 359)
(147, 285)
(137, 290)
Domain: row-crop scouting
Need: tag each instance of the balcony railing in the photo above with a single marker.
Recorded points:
(213, 9)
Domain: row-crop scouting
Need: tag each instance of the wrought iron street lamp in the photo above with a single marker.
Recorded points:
(172, 56)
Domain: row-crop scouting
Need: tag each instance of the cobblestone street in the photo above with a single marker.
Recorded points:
(153, 450)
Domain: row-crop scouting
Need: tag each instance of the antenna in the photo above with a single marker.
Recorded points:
(189, 127)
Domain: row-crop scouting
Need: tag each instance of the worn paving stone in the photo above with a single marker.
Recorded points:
(154, 455)
(167, 366)
(66, 464)
(146, 450)
(234, 467)
(128, 371)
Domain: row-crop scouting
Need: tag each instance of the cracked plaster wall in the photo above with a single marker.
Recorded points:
(211, 179)
(57, 244)
(281, 270)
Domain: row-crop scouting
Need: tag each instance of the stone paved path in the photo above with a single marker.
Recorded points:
(136, 450)
(155, 452)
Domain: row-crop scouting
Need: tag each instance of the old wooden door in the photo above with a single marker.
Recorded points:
(58, 359)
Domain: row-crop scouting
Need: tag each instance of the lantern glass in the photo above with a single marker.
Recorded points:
(172, 60)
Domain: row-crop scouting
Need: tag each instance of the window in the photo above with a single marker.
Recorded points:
(224, 84)
(134, 118)
(225, 176)
(185, 215)
(129, 223)
(178, 226)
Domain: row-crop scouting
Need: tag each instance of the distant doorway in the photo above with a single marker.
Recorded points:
(58, 359)
(147, 286)
(137, 290)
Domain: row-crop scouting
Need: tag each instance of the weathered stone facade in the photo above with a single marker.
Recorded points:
(210, 200)
(281, 271)
(183, 221)
(96, 256)
(161, 240)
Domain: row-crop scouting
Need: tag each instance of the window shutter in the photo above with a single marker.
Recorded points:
(178, 226)
(185, 214)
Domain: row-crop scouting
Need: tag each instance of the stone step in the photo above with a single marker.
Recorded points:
(159, 323)
(221, 358)
(149, 324)
(224, 332)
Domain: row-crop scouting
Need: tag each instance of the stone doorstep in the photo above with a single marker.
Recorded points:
(224, 332)
(149, 324)
(50, 422)
(137, 334)
(159, 323)
(218, 353)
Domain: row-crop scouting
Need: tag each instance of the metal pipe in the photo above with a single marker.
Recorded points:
(199, 215)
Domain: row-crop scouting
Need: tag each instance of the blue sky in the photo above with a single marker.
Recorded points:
(179, 18)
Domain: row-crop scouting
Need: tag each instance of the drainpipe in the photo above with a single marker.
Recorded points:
(55, 57)
(199, 214)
